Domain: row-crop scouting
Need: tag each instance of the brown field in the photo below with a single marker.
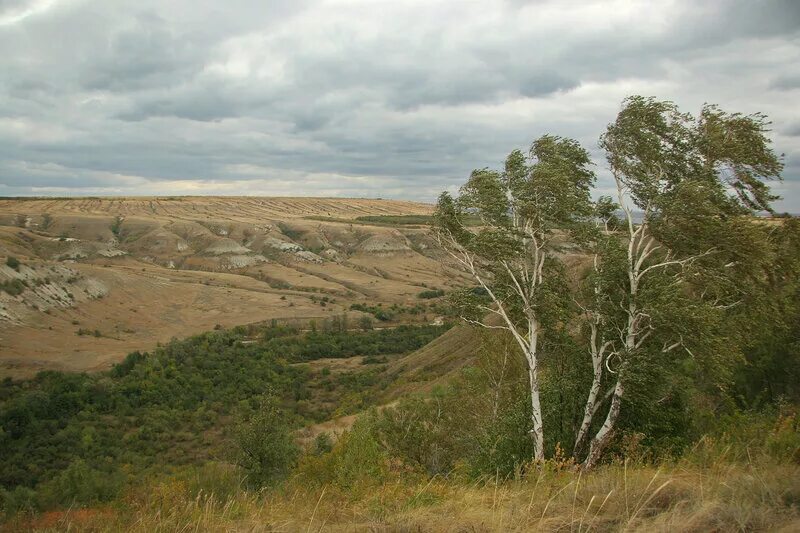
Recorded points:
(106, 276)
(215, 207)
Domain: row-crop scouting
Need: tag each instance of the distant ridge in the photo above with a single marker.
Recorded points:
(243, 207)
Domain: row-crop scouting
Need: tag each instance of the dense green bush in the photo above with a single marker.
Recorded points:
(266, 450)
(12, 262)
(432, 293)
(356, 463)
(13, 286)
(116, 226)
(324, 344)
(80, 483)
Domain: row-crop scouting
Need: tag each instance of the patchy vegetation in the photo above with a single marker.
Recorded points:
(230, 251)
(116, 226)
(81, 438)
(743, 476)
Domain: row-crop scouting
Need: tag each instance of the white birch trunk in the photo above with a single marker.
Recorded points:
(537, 426)
(606, 431)
(591, 407)
(525, 284)
(597, 350)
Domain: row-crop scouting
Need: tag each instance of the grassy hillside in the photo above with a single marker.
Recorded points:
(722, 485)
(150, 445)
(175, 407)
(346, 402)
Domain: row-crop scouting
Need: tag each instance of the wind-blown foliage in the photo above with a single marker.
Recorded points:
(523, 210)
(694, 254)
(659, 302)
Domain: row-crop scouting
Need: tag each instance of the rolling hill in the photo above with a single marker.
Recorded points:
(100, 277)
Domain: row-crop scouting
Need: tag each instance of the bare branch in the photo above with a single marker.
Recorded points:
(681, 262)
(483, 324)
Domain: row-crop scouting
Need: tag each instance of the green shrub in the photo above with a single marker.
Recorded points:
(365, 323)
(266, 450)
(433, 293)
(116, 226)
(477, 424)
(126, 366)
(783, 441)
(322, 444)
(355, 464)
(18, 500)
(13, 286)
(13, 262)
(79, 484)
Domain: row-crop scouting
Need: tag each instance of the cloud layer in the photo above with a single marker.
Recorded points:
(360, 98)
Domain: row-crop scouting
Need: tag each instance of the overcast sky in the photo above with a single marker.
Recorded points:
(397, 99)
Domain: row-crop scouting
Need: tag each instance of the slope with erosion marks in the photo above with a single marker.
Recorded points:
(145, 270)
(142, 306)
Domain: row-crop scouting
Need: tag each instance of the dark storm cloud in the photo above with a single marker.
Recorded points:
(305, 97)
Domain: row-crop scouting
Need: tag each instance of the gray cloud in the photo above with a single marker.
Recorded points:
(786, 82)
(792, 130)
(301, 97)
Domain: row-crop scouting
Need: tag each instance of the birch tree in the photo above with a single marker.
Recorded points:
(524, 212)
(676, 177)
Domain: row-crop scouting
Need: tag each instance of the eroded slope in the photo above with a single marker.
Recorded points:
(99, 278)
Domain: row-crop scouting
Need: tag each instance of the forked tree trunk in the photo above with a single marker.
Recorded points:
(606, 431)
(589, 411)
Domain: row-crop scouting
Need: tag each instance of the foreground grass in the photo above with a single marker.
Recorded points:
(684, 496)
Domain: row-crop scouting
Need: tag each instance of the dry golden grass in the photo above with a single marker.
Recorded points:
(619, 497)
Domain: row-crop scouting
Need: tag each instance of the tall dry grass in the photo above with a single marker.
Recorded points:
(746, 481)
(621, 497)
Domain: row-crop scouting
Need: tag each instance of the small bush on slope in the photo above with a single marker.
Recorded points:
(266, 450)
